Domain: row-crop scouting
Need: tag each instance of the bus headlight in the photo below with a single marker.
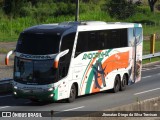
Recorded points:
(51, 95)
(14, 93)
(15, 87)
(50, 89)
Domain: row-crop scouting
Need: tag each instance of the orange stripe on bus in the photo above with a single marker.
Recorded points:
(116, 61)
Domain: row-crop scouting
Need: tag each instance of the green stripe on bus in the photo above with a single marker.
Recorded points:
(56, 94)
(90, 78)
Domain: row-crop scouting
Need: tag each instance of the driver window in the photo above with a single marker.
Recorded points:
(64, 62)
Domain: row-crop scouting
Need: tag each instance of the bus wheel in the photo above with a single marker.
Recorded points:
(116, 87)
(123, 83)
(73, 93)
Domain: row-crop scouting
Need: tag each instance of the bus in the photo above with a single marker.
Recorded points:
(70, 59)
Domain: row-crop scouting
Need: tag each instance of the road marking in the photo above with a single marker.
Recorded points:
(74, 108)
(157, 65)
(147, 91)
(4, 107)
(146, 77)
(145, 69)
(70, 109)
(5, 96)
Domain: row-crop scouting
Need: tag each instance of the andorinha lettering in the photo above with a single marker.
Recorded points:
(35, 56)
(95, 55)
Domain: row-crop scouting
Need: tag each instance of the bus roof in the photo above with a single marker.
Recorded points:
(80, 26)
(48, 29)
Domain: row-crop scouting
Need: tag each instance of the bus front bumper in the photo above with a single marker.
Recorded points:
(35, 94)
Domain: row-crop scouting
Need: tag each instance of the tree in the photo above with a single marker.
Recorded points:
(152, 4)
(120, 9)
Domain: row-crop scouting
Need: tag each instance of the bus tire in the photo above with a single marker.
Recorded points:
(116, 86)
(123, 83)
(73, 93)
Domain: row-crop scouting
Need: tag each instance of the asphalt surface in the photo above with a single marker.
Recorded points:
(148, 87)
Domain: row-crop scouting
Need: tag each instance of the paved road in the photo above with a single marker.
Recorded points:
(149, 87)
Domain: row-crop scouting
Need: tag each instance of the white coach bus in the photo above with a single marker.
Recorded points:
(66, 60)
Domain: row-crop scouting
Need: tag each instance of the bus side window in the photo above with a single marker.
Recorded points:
(93, 43)
(123, 38)
(116, 38)
(101, 40)
(82, 43)
(64, 62)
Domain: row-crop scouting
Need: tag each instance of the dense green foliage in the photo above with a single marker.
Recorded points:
(120, 9)
(17, 15)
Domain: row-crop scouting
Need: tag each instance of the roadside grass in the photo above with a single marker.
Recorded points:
(146, 46)
(151, 60)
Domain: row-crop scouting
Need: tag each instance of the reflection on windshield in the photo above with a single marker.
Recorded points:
(43, 70)
(34, 72)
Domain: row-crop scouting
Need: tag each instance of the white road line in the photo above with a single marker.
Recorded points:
(74, 108)
(146, 77)
(145, 69)
(5, 96)
(147, 91)
(150, 69)
(4, 107)
(70, 109)
(157, 65)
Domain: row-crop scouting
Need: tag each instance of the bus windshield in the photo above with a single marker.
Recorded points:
(38, 44)
(34, 72)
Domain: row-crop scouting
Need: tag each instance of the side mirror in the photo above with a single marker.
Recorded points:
(61, 54)
(7, 57)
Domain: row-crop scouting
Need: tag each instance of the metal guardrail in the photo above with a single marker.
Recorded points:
(151, 56)
(6, 81)
(6, 85)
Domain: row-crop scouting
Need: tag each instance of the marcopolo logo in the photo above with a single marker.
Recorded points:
(35, 56)
(95, 55)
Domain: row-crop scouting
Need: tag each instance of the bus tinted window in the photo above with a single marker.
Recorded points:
(117, 38)
(67, 42)
(93, 41)
(102, 39)
(38, 44)
(82, 43)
